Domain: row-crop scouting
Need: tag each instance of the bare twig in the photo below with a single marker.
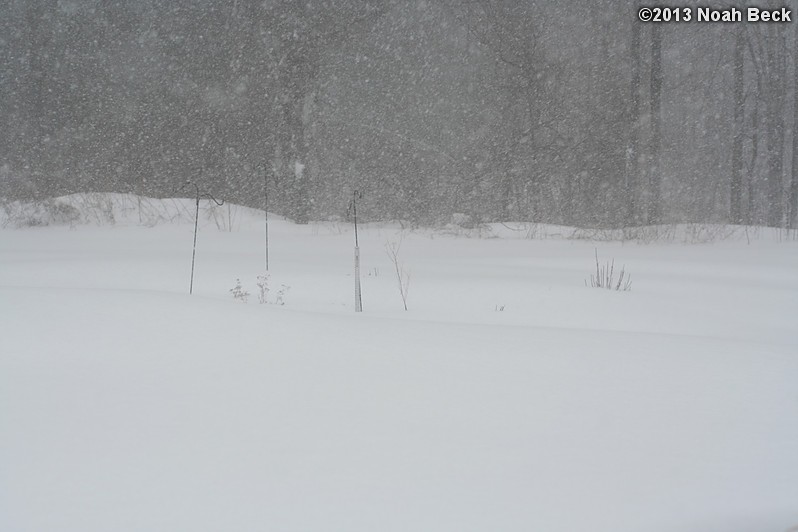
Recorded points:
(402, 275)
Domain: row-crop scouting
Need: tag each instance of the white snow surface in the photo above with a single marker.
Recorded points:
(510, 397)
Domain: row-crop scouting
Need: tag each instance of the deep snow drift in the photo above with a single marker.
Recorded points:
(509, 397)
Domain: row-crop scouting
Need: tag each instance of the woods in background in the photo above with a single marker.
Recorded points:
(577, 114)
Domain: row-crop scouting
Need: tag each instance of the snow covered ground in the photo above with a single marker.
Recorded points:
(510, 397)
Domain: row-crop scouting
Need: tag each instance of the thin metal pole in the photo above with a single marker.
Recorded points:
(266, 211)
(194, 251)
(358, 298)
(196, 228)
(354, 212)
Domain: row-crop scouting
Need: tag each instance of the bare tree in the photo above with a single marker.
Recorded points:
(736, 187)
(531, 94)
(792, 219)
(654, 203)
(633, 151)
(768, 52)
(302, 34)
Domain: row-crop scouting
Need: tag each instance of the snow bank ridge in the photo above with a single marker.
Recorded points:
(105, 209)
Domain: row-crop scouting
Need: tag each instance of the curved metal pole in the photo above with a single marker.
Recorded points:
(194, 250)
(196, 227)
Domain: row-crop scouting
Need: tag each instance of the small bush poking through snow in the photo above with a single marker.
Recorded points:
(238, 292)
(262, 282)
(263, 288)
(280, 299)
(605, 277)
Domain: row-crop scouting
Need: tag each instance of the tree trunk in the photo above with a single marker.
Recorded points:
(775, 107)
(297, 82)
(654, 171)
(755, 126)
(632, 152)
(792, 220)
(736, 188)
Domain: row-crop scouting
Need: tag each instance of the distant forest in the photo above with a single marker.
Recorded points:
(491, 110)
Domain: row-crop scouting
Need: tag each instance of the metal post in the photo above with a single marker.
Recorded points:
(196, 227)
(266, 211)
(358, 299)
(194, 251)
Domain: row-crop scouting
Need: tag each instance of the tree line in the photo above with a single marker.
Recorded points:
(499, 110)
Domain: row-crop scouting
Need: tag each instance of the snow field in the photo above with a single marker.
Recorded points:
(126, 404)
